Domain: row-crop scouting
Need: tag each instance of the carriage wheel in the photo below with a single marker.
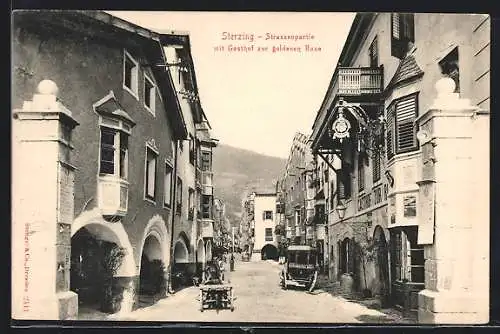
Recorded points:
(313, 282)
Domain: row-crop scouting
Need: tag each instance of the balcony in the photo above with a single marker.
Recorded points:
(207, 228)
(112, 195)
(358, 81)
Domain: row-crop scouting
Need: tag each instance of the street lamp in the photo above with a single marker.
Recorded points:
(341, 210)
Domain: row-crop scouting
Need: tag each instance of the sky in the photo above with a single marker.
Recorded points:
(258, 100)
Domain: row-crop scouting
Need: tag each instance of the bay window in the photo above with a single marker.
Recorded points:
(114, 152)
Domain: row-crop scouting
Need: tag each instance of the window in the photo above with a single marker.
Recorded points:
(450, 68)
(408, 264)
(206, 203)
(401, 128)
(190, 204)
(167, 182)
(130, 74)
(269, 234)
(267, 215)
(151, 157)
(376, 166)
(373, 53)
(346, 256)
(297, 217)
(114, 152)
(178, 196)
(206, 161)
(191, 149)
(149, 94)
(344, 184)
(361, 174)
(403, 34)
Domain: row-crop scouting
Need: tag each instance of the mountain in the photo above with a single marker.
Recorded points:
(238, 171)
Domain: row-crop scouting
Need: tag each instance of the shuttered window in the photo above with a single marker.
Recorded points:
(403, 33)
(361, 174)
(390, 132)
(376, 167)
(406, 134)
(344, 184)
(373, 53)
(401, 128)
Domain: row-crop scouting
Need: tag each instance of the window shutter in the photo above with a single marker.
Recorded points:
(390, 132)
(396, 38)
(340, 185)
(406, 112)
(395, 18)
(263, 215)
(376, 167)
(408, 27)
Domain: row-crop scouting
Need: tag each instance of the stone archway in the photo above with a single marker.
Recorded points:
(382, 264)
(269, 252)
(154, 257)
(102, 264)
(180, 270)
(152, 282)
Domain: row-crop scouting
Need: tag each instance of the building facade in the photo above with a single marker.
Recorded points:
(263, 242)
(302, 200)
(247, 223)
(105, 127)
(371, 132)
(193, 220)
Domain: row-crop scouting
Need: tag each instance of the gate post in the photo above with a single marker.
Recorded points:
(454, 210)
(42, 208)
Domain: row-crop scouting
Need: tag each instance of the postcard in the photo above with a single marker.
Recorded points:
(250, 167)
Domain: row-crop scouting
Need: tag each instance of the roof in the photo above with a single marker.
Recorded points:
(407, 70)
(300, 247)
(99, 24)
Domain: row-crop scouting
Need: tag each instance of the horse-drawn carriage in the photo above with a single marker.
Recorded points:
(214, 293)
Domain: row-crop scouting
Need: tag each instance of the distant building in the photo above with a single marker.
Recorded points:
(265, 244)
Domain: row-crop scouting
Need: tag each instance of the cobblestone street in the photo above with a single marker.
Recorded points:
(260, 299)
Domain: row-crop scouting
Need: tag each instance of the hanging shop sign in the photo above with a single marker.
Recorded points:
(341, 127)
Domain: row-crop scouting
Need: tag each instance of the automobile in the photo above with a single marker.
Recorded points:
(300, 268)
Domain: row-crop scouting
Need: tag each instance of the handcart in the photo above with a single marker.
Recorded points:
(216, 296)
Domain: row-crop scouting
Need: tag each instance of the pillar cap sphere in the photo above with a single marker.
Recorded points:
(445, 86)
(47, 87)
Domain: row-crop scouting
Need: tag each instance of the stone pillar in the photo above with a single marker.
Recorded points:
(454, 210)
(42, 208)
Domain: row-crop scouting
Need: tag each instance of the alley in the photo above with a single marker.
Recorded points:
(260, 299)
